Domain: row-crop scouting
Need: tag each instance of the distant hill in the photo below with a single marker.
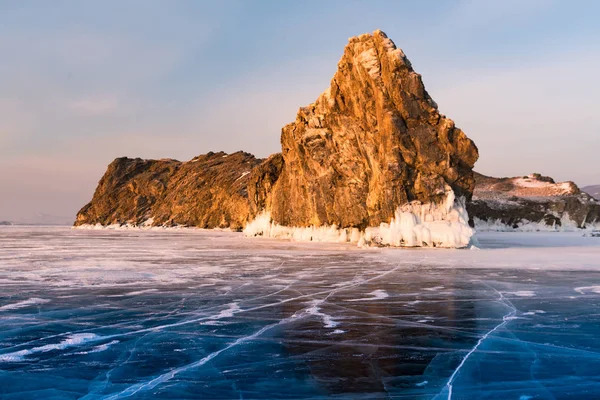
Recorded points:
(532, 202)
(5, 223)
(593, 191)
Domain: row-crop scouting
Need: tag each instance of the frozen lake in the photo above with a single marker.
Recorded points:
(202, 314)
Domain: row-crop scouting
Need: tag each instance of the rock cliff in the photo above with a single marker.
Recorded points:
(372, 159)
(374, 140)
(209, 191)
(532, 202)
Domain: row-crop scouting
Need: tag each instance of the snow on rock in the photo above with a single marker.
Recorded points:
(496, 225)
(143, 226)
(243, 175)
(370, 62)
(531, 203)
(414, 225)
(533, 185)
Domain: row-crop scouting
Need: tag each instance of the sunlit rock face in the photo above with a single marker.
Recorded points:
(209, 191)
(372, 142)
(372, 149)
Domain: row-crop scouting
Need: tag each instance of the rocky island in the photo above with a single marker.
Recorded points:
(372, 161)
(531, 203)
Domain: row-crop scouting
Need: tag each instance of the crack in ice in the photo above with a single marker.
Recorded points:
(507, 317)
(132, 390)
(172, 373)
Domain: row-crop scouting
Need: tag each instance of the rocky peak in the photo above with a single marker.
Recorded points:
(372, 141)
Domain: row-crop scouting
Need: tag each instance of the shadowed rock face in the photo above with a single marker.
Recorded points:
(374, 140)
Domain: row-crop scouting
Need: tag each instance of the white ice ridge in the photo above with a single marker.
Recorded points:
(414, 225)
(587, 289)
(566, 225)
(73, 340)
(375, 295)
(98, 349)
(25, 303)
(146, 225)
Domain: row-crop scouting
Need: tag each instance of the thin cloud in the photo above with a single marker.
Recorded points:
(94, 106)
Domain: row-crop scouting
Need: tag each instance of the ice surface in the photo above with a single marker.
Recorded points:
(113, 314)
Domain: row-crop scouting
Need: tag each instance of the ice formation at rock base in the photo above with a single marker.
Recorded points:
(566, 225)
(414, 225)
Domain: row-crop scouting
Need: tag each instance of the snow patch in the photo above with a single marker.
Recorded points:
(534, 312)
(143, 226)
(134, 293)
(242, 175)
(375, 295)
(71, 341)
(98, 349)
(522, 293)
(148, 222)
(588, 289)
(315, 310)
(25, 303)
(228, 313)
(496, 225)
(370, 62)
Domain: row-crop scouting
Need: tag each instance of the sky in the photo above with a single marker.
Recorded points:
(82, 83)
